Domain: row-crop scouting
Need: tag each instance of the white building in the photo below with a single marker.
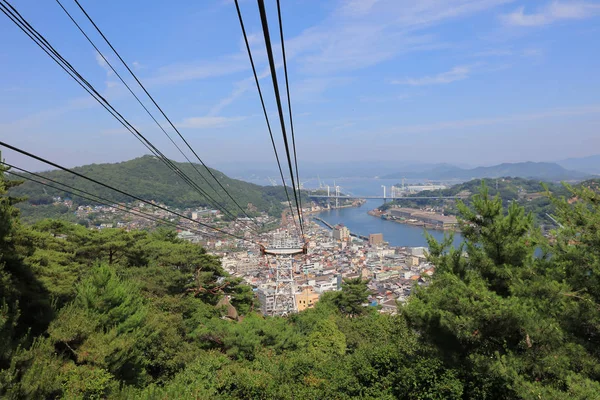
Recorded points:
(266, 298)
(340, 232)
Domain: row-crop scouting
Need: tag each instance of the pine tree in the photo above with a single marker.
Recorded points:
(24, 302)
(500, 315)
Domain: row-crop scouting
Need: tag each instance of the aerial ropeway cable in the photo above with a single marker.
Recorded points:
(159, 108)
(55, 165)
(289, 101)
(265, 28)
(40, 40)
(262, 101)
(97, 199)
(149, 113)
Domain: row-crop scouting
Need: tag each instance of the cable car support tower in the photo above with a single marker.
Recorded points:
(284, 248)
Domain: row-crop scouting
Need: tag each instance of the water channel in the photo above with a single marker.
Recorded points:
(361, 223)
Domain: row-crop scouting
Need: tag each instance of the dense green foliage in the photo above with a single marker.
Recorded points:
(137, 315)
(148, 178)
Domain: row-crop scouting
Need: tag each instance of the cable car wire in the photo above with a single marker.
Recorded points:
(262, 102)
(41, 41)
(106, 202)
(265, 28)
(289, 101)
(55, 165)
(148, 111)
(158, 107)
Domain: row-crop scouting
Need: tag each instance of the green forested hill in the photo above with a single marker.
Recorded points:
(148, 178)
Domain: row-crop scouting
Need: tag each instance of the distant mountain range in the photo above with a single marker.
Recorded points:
(589, 164)
(569, 169)
(533, 170)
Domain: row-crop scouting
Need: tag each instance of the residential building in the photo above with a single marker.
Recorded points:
(340, 232)
(389, 306)
(376, 239)
(307, 298)
(266, 298)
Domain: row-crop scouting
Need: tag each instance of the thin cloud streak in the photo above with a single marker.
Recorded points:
(178, 73)
(458, 73)
(241, 87)
(551, 13)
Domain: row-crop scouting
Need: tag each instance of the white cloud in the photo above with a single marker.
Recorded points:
(101, 61)
(455, 74)
(552, 12)
(103, 64)
(362, 33)
(357, 7)
(311, 89)
(208, 122)
(416, 14)
(241, 87)
(177, 73)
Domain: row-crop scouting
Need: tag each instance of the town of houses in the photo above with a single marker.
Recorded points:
(333, 255)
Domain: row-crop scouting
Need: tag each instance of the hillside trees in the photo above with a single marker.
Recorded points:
(24, 301)
(503, 318)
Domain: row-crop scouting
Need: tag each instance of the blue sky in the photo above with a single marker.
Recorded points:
(460, 81)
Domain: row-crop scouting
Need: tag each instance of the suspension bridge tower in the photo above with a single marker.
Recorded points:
(284, 248)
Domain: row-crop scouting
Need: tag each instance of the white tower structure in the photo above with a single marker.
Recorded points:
(284, 248)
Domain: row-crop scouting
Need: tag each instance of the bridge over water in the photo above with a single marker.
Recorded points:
(320, 196)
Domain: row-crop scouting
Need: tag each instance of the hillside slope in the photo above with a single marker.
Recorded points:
(147, 177)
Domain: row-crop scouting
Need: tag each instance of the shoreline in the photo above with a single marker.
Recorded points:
(355, 204)
(378, 214)
(330, 227)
